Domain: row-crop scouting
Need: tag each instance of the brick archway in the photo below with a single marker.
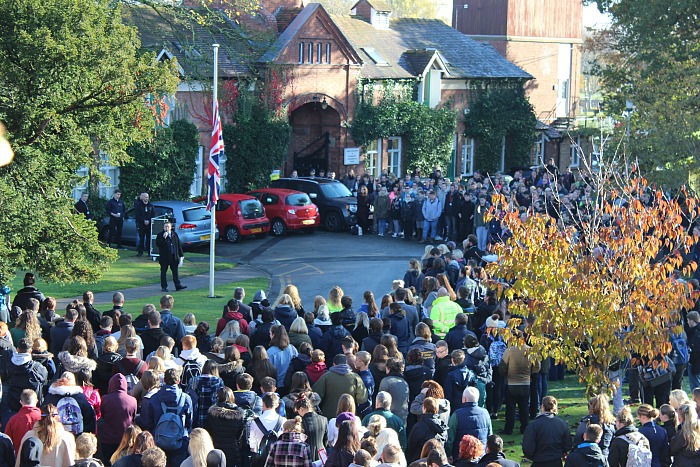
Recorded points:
(316, 98)
(316, 137)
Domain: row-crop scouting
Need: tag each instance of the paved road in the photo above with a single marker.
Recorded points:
(315, 263)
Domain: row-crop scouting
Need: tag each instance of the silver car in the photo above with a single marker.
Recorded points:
(191, 221)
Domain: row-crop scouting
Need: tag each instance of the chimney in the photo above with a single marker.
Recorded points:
(377, 13)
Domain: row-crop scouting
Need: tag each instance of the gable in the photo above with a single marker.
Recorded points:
(312, 39)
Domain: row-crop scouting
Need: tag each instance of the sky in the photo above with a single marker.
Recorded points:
(592, 18)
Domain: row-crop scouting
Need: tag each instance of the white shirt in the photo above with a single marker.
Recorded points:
(269, 420)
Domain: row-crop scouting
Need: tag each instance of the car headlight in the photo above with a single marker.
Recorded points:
(352, 208)
(292, 211)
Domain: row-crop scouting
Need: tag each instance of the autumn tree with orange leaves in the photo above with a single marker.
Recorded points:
(605, 287)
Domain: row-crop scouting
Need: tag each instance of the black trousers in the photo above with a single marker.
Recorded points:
(520, 396)
(173, 265)
(144, 239)
(115, 231)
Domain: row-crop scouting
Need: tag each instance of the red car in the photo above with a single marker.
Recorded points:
(238, 216)
(288, 210)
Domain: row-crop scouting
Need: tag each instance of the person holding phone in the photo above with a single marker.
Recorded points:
(170, 255)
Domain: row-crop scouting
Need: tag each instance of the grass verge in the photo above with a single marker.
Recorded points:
(127, 272)
(195, 301)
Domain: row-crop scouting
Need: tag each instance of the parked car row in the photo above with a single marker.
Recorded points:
(289, 204)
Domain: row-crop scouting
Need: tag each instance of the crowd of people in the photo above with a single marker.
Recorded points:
(414, 379)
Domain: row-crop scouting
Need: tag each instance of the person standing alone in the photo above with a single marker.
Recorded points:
(144, 213)
(170, 256)
(116, 211)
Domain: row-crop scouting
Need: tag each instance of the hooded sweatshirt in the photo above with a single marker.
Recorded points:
(21, 423)
(315, 370)
(118, 411)
(24, 373)
(330, 343)
(232, 316)
(285, 314)
(586, 455)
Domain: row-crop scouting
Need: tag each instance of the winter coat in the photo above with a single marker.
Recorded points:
(683, 457)
(46, 360)
(169, 395)
(316, 429)
(232, 316)
(478, 361)
(586, 455)
(658, 443)
(92, 394)
(60, 334)
(24, 294)
(337, 381)
(546, 438)
(248, 400)
(315, 370)
(226, 424)
(151, 338)
(413, 277)
(371, 341)
(298, 363)
(381, 207)
(285, 314)
(205, 387)
(497, 457)
(516, 367)
(229, 373)
(397, 386)
(131, 460)
(608, 432)
(297, 338)
(104, 371)
(330, 343)
(468, 420)
(427, 428)
(261, 336)
(56, 393)
(21, 423)
(415, 375)
(281, 359)
(74, 363)
(63, 454)
(402, 330)
(457, 380)
(290, 450)
(619, 447)
(118, 411)
(24, 373)
(444, 407)
(339, 458)
(315, 334)
(427, 349)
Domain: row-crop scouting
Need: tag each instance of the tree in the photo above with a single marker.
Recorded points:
(73, 81)
(603, 287)
(164, 166)
(653, 63)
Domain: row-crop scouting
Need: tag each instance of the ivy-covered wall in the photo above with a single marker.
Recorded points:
(388, 109)
(496, 114)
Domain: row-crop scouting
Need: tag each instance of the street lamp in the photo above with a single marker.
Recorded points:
(629, 108)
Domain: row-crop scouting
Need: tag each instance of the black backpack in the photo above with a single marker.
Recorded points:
(190, 370)
(258, 459)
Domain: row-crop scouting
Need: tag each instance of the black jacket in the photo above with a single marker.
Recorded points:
(478, 362)
(586, 455)
(608, 432)
(261, 336)
(455, 336)
(103, 372)
(371, 341)
(546, 439)
(226, 425)
(24, 294)
(316, 429)
(339, 458)
(229, 372)
(93, 317)
(112, 314)
(24, 373)
(165, 255)
(415, 375)
(497, 457)
(151, 339)
(425, 429)
(298, 363)
(617, 457)
(330, 342)
(144, 212)
(6, 352)
(132, 460)
(683, 457)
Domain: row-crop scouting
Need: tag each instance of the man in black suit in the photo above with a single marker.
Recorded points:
(239, 296)
(144, 213)
(82, 206)
(170, 255)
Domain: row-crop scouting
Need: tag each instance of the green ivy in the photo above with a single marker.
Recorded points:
(427, 132)
(164, 167)
(499, 113)
(256, 140)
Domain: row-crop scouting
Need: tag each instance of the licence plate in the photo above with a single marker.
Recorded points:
(205, 237)
(255, 230)
(308, 222)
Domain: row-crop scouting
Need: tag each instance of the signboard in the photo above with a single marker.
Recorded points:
(275, 175)
(352, 156)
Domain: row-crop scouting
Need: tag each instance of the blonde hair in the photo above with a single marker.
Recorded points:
(334, 296)
(299, 326)
(126, 446)
(110, 344)
(86, 445)
(285, 299)
(189, 320)
(690, 427)
(293, 425)
(47, 427)
(625, 416)
(164, 353)
(376, 424)
(201, 444)
(677, 398)
(318, 301)
(600, 405)
(293, 293)
(39, 345)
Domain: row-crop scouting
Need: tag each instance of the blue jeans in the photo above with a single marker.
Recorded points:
(429, 229)
(616, 379)
(382, 226)
(482, 236)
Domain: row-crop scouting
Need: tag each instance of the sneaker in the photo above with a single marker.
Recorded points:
(163, 290)
(438, 238)
(395, 235)
(180, 287)
(381, 235)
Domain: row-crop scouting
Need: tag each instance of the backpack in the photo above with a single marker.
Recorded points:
(248, 417)
(638, 455)
(190, 370)
(654, 377)
(132, 379)
(496, 351)
(269, 438)
(70, 415)
(170, 428)
(679, 354)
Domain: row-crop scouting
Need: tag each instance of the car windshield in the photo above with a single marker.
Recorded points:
(298, 199)
(199, 213)
(251, 209)
(335, 190)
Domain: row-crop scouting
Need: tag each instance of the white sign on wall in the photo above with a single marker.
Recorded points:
(352, 156)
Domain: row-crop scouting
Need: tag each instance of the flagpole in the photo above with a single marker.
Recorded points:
(212, 236)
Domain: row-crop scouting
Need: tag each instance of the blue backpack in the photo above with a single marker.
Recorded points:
(170, 429)
(679, 354)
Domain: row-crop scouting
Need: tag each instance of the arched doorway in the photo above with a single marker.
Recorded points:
(315, 139)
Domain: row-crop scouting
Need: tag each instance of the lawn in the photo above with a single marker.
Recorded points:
(572, 407)
(127, 272)
(195, 301)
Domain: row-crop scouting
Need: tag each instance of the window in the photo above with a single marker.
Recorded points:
(310, 54)
(78, 190)
(538, 151)
(301, 52)
(298, 199)
(373, 165)
(393, 149)
(328, 53)
(576, 151)
(199, 213)
(319, 55)
(468, 157)
(375, 56)
(269, 198)
(196, 188)
(112, 175)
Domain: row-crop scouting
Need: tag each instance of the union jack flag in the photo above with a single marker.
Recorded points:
(215, 153)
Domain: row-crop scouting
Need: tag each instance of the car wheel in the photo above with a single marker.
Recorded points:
(261, 235)
(232, 234)
(278, 228)
(104, 234)
(332, 222)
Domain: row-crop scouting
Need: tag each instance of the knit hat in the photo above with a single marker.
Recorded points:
(259, 296)
(341, 417)
(216, 458)
(492, 323)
